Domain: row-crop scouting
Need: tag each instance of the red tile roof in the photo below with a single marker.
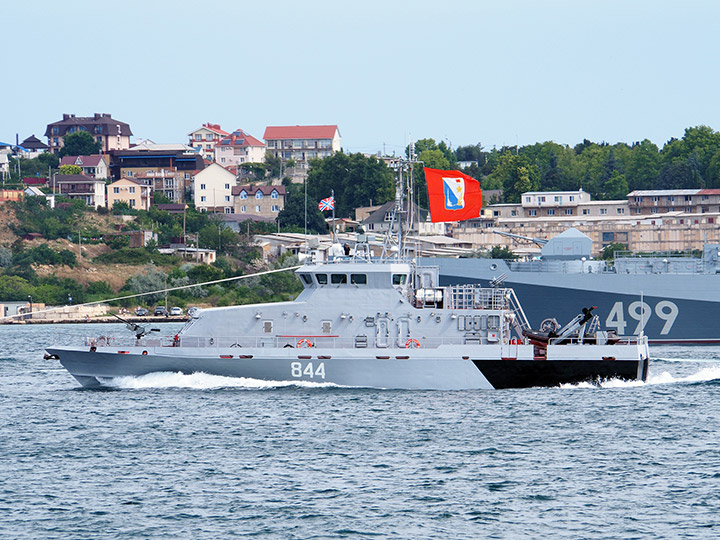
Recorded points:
(299, 132)
(709, 192)
(215, 128)
(241, 139)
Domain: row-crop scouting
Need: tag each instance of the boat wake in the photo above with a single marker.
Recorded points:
(705, 374)
(204, 381)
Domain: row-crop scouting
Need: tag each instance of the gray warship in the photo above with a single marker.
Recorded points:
(671, 298)
(374, 323)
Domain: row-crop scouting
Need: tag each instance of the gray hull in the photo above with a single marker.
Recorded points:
(669, 308)
(448, 368)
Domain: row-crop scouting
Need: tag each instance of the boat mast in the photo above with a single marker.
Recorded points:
(394, 239)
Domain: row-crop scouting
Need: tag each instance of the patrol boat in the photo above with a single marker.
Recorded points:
(378, 323)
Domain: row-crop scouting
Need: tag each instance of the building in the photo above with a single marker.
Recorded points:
(168, 172)
(110, 133)
(259, 201)
(542, 204)
(135, 194)
(212, 190)
(690, 201)
(238, 148)
(79, 186)
(94, 165)
(301, 144)
(205, 138)
(32, 147)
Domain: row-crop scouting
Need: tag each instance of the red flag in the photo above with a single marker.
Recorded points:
(452, 195)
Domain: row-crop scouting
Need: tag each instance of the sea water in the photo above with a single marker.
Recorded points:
(204, 457)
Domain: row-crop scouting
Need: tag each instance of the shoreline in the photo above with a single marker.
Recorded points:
(92, 320)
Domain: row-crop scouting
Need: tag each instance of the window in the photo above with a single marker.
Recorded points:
(620, 210)
(306, 278)
(222, 160)
(532, 212)
(116, 190)
(202, 199)
(321, 279)
(568, 211)
(56, 131)
(275, 208)
(227, 186)
(603, 211)
(209, 137)
(399, 279)
(132, 189)
(586, 211)
(243, 209)
(132, 203)
(202, 186)
(655, 198)
(259, 194)
(98, 129)
(541, 199)
(338, 279)
(56, 141)
(243, 194)
(558, 198)
(227, 198)
(358, 279)
(688, 198)
(227, 210)
(274, 194)
(198, 137)
(513, 212)
(257, 208)
(208, 146)
(571, 198)
(551, 212)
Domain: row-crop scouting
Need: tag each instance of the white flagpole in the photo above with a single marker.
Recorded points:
(332, 198)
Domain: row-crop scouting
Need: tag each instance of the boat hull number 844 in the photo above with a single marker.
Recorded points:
(300, 369)
(642, 312)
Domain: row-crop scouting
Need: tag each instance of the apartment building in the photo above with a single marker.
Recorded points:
(690, 201)
(259, 201)
(212, 190)
(78, 186)
(301, 144)
(110, 133)
(205, 138)
(133, 193)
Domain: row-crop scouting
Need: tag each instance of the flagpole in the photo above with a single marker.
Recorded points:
(332, 196)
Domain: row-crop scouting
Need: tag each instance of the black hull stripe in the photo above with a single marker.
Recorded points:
(529, 373)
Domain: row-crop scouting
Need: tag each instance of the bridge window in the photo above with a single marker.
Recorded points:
(399, 279)
(358, 279)
(321, 279)
(307, 279)
(337, 279)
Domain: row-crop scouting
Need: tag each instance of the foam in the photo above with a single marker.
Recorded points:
(203, 381)
(705, 374)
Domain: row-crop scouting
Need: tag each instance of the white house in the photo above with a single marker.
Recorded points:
(212, 189)
(239, 147)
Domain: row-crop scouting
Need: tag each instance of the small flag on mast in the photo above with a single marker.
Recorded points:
(327, 204)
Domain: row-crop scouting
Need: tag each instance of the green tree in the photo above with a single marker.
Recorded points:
(355, 178)
(70, 169)
(292, 216)
(80, 143)
(516, 176)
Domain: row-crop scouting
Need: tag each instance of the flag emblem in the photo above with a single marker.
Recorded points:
(326, 204)
(454, 193)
